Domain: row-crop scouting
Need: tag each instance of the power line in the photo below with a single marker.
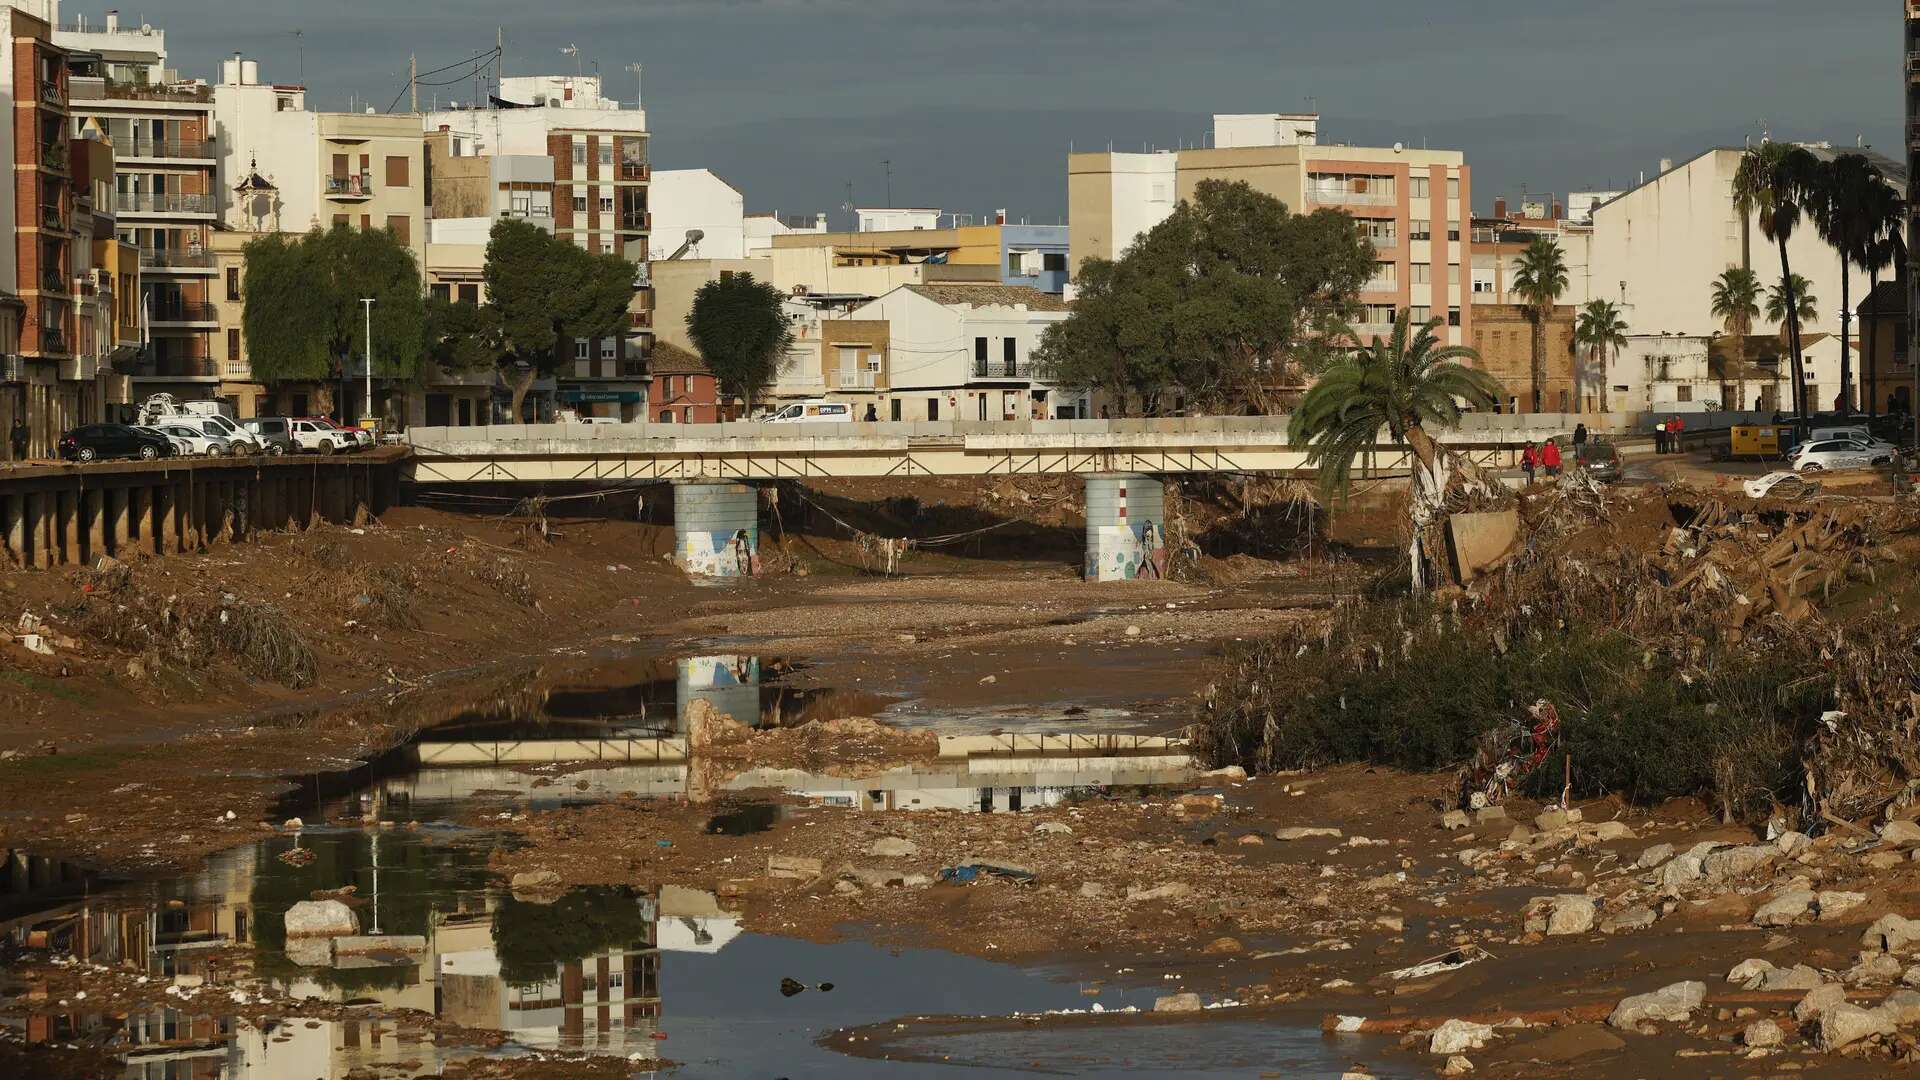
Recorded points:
(476, 63)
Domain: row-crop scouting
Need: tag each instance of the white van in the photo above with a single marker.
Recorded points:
(214, 425)
(813, 412)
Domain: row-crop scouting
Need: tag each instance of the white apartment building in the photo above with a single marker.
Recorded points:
(758, 230)
(949, 351)
(1658, 247)
(690, 200)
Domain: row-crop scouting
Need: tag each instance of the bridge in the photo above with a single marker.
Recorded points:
(714, 467)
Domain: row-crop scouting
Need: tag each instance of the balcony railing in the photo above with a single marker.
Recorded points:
(639, 320)
(641, 222)
(1001, 369)
(50, 93)
(1384, 241)
(184, 311)
(350, 187)
(53, 341)
(855, 378)
(175, 257)
(1913, 63)
(634, 172)
(51, 218)
(54, 155)
(184, 367)
(168, 148)
(1368, 331)
(148, 202)
(55, 282)
(142, 92)
(1351, 198)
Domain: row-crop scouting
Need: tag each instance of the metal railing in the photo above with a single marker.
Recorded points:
(634, 172)
(856, 378)
(50, 93)
(53, 341)
(139, 92)
(55, 282)
(1001, 369)
(358, 186)
(1384, 241)
(175, 257)
(54, 155)
(172, 202)
(1353, 198)
(184, 311)
(169, 148)
(185, 367)
(51, 218)
(642, 222)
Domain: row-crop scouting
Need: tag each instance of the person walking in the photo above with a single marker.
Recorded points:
(873, 413)
(1660, 437)
(17, 439)
(1529, 461)
(1550, 457)
(1676, 428)
(1580, 434)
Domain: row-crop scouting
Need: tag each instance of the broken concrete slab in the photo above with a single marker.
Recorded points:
(1675, 1001)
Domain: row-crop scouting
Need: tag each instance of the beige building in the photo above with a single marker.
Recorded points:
(1414, 205)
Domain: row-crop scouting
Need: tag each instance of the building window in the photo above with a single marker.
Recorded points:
(470, 294)
(1007, 347)
(606, 348)
(233, 283)
(397, 171)
(980, 354)
(366, 222)
(933, 408)
(233, 346)
(606, 152)
(1453, 316)
(606, 243)
(398, 223)
(1417, 187)
(1422, 273)
(579, 204)
(1683, 392)
(1054, 262)
(894, 409)
(1381, 314)
(1419, 229)
(340, 221)
(580, 349)
(1453, 233)
(580, 150)
(440, 290)
(1418, 314)
(1453, 187)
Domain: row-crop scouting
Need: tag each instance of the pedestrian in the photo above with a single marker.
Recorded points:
(1529, 460)
(1550, 457)
(1579, 434)
(1103, 413)
(1676, 430)
(873, 413)
(1660, 437)
(17, 438)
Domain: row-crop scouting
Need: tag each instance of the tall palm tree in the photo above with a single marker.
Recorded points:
(1404, 384)
(1888, 248)
(1736, 303)
(1793, 305)
(1779, 183)
(1842, 207)
(1540, 276)
(1600, 329)
(1753, 192)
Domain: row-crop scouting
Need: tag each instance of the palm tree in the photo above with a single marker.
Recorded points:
(1540, 276)
(1842, 207)
(1778, 182)
(1888, 248)
(1736, 303)
(1404, 384)
(1600, 329)
(1753, 192)
(1793, 305)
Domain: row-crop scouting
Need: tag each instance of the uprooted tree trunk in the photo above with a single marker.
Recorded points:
(1432, 473)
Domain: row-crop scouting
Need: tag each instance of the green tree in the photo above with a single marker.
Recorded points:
(302, 313)
(463, 336)
(1889, 248)
(1539, 277)
(1792, 304)
(1776, 181)
(548, 292)
(1215, 300)
(1600, 329)
(1736, 303)
(741, 330)
(1405, 385)
(1845, 211)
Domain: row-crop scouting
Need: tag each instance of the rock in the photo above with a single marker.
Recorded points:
(1177, 1003)
(1891, 933)
(1785, 909)
(1834, 904)
(310, 951)
(1762, 1033)
(1679, 870)
(1750, 969)
(905, 639)
(358, 945)
(1250, 840)
(1457, 1035)
(1197, 804)
(535, 879)
(1570, 914)
(989, 680)
(188, 982)
(1175, 890)
(1797, 977)
(1900, 832)
(1225, 772)
(874, 877)
(1877, 970)
(893, 847)
(1221, 945)
(1902, 1007)
(1133, 631)
(1637, 917)
(791, 866)
(1549, 820)
(1393, 924)
(845, 887)
(1092, 890)
(1843, 1024)
(1487, 814)
(1654, 856)
(1792, 843)
(1054, 828)
(1674, 1002)
(1304, 832)
(1454, 819)
(1456, 1066)
(320, 918)
(1737, 861)
(1819, 1000)
(1882, 860)
(1608, 831)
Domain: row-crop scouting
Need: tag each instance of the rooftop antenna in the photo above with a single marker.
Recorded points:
(300, 49)
(637, 85)
(574, 51)
(887, 164)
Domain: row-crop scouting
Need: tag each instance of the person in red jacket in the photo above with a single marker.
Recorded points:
(1550, 457)
(1529, 461)
(1676, 427)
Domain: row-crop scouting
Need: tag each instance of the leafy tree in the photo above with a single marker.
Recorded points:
(1401, 384)
(1736, 303)
(1845, 212)
(742, 333)
(1601, 330)
(462, 336)
(532, 940)
(1776, 181)
(1539, 277)
(1215, 300)
(1792, 304)
(548, 292)
(302, 313)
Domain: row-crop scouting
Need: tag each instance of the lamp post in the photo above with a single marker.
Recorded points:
(367, 301)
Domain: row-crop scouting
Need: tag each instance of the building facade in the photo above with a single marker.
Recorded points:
(1503, 336)
(946, 352)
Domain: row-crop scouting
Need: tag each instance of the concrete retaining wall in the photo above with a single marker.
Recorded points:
(1126, 527)
(716, 530)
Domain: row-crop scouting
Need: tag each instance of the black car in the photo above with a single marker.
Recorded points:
(90, 442)
(1601, 460)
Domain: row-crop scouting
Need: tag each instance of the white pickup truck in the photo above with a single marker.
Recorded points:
(319, 438)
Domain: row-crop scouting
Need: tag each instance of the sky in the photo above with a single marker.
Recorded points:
(976, 103)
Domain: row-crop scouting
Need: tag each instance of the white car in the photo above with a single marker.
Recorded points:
(194, 439)
(181, 448)
(234, 438)
(813, 412)
(1827, 454)
(319, 438)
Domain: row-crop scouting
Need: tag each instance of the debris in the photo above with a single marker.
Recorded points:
(1673, 1002)
(1177, 890)
(1445, 962)
(1785, 909)
(1303, 832)
(320, 918)
(792, 866)
(1177, 1003)
(1457, 1035)
(968, 873)
(893, 847)
(535, 880)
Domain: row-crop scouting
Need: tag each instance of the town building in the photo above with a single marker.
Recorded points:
(597, 149)
(1415, 205)
(1498, 240)
(1886, 363)
(1659, 246)
(947, 351)
(1503, 336)
(684, 389)
(1034, 256)
(161, 129)
(695, 210)
(758, 230)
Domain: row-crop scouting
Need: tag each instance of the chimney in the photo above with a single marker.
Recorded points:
(1500, 208)
(1558, 210)
(820, 221)
(113, 21)
(1000, 216)
(1666, 165)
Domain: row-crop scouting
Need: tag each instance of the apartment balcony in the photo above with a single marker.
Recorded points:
(55, 282)
(53, 342)
(52, 218)
(1381, 285)
(182, 367)
(1001, 369)
(1913, 64)
(147, 202)
(184, 312)
(636, 222)
(350, 187)
(1366, 332)
(855, 379)
(109, 90)
(1327, 197)
(51, 94)
(189, 149)
(53, 156)
(635, 172)
(1384, 243)
(640, 320)
(177, 260)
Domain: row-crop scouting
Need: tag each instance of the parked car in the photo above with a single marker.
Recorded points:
(236, 438)
(1826, 454)
(274, 434)
(1601, 460)
(356, 437)
(91, 442)
(181, 448)
(813, 412)
(194, 439)
(319, 437)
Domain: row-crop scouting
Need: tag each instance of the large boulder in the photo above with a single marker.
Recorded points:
(1902, 1007)
(1637, 917)
(1819, 1000)
(1570, 914)
(1762, 1033)
(1891, 933)
(1304, 832)
(1674, 1002)
(1679, 870)
(1749, 972)
(1900, 832)
(1456, 1035)
(1797, 977)
(1177, 1003)
(320, 918)
(1844, 1024)
(1785, 908)
(1736, 862)
(1654, 856)
(1834, 903)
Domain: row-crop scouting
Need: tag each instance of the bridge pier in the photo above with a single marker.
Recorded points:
(1126, 526)
(716, 528)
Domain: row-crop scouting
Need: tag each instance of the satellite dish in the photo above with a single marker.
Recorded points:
(147, 29)
(1398, 147)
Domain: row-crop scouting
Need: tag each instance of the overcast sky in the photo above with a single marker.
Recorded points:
(976, 102)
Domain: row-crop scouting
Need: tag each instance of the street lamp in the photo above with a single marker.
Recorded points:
(368, 302)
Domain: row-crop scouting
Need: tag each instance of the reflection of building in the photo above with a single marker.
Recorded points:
(730, 684)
